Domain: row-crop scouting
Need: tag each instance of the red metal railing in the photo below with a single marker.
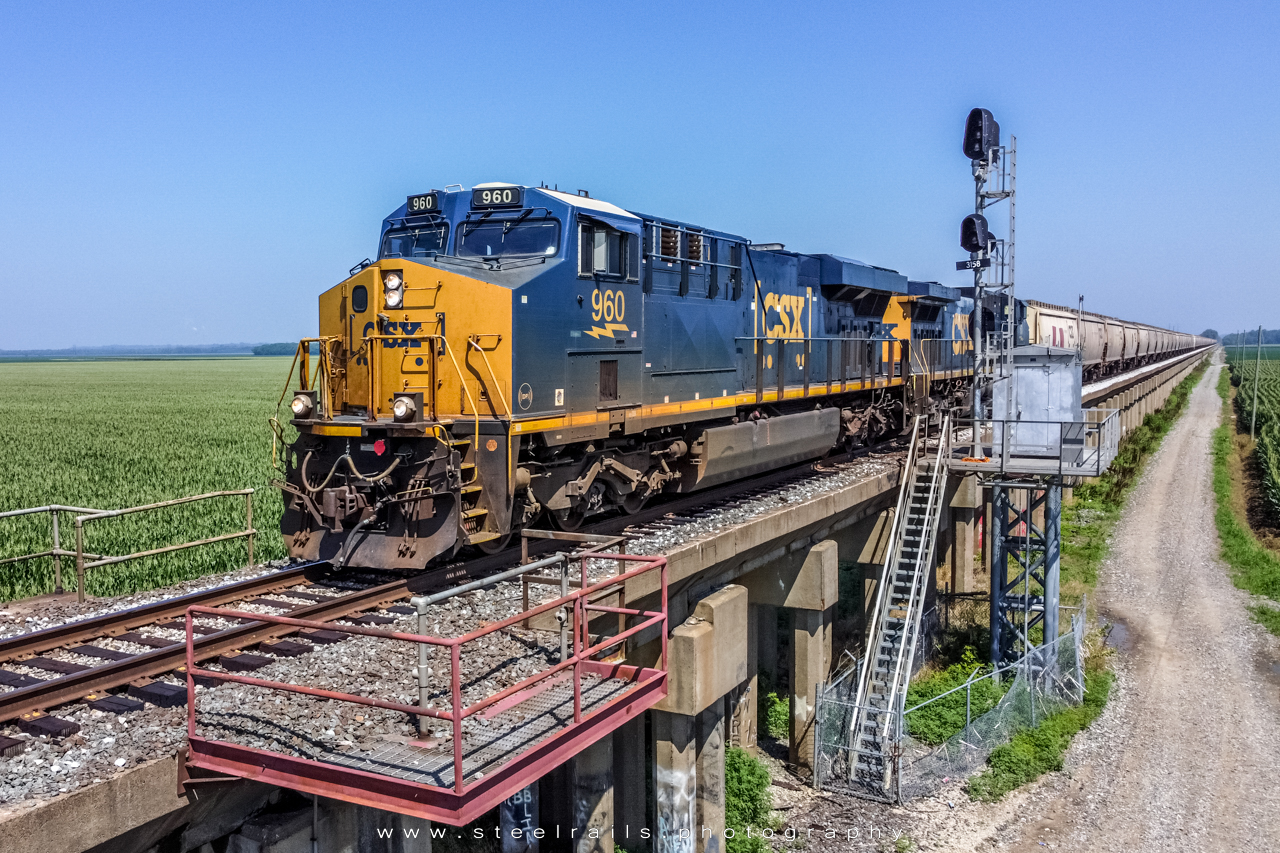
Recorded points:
(582, 661)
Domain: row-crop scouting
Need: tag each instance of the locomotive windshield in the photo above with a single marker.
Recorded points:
(498, 238)
(415, 242)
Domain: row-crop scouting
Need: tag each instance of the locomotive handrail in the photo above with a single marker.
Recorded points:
(324, 379)
(474, 341)
(375, 377)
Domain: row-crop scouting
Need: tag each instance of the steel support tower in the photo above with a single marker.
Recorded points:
(1026, 561)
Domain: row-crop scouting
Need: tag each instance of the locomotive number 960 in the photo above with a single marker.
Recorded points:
(497, 197)
(608, 305)
(425, 203)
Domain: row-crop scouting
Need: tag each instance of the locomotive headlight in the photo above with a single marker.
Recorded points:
(403, 408)
(302, 405)
(393, 288)
(407, 408)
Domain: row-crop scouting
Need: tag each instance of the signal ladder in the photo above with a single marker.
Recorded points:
(882, 686)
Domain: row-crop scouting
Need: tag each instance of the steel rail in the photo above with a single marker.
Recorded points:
(75, 686)
(120, 621)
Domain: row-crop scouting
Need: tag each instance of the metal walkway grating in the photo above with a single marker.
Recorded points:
(506, 734)
(503, 741)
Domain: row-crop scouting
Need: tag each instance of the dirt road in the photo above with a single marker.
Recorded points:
(1188, 755)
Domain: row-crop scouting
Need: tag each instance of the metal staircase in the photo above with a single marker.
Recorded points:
(882, 687)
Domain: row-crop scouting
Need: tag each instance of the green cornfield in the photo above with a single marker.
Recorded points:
(1244, 365)
(114, 434)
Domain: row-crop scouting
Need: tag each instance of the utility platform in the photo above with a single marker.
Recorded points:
(511, 737)
(1042, 430)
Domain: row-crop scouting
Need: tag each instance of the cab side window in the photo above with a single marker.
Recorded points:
(605, 252)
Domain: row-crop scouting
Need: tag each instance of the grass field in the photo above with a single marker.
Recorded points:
(111, 434)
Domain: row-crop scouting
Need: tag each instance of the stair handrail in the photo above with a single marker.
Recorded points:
(924, 556)
(890, 558)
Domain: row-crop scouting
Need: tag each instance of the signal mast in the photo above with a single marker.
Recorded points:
(995, 177)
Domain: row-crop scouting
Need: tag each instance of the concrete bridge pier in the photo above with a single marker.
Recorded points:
(707, 656)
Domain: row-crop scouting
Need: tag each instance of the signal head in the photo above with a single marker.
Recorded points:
(981, 134)
(974, 236)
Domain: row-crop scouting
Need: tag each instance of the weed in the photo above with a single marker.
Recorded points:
(776, 716)
(773, 713)
(939, 721)
(1033, 752)
(747, 801)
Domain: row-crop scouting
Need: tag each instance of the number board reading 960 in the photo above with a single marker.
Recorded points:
(425, 203)
(497, 197)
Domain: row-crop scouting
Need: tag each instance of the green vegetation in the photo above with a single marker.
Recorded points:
(1267, 428)
(112, 434)
(747, 802)
(1033, 752)
(938, 722)
(1254, 567)
(773, 711)
(286, 348)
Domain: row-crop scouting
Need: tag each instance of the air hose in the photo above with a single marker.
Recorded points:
(306, 481)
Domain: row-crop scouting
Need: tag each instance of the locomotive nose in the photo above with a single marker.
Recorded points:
(413, 329)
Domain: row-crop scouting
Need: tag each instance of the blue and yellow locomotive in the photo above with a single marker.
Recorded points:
(517, 352)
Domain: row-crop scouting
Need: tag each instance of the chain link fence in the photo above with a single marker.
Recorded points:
(1046, 680)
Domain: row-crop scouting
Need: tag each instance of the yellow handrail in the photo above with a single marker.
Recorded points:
(373, 384)
(474, 341)
(324, 370)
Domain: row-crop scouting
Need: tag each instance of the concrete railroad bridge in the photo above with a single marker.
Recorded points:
(727, 591)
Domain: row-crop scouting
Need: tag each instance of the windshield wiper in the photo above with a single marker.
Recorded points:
(454, 259)
(471, 225)
(497, 264)
(507, 225)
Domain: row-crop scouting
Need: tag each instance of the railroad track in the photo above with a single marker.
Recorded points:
(321, 599)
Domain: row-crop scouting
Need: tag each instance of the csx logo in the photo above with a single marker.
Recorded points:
(391, 329)
(959, 333)
(790, 312)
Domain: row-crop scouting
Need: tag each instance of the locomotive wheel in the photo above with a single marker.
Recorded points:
(633, 503)
(493, 546)
(569, 520)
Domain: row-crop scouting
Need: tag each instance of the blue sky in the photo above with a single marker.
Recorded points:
(173, 173)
